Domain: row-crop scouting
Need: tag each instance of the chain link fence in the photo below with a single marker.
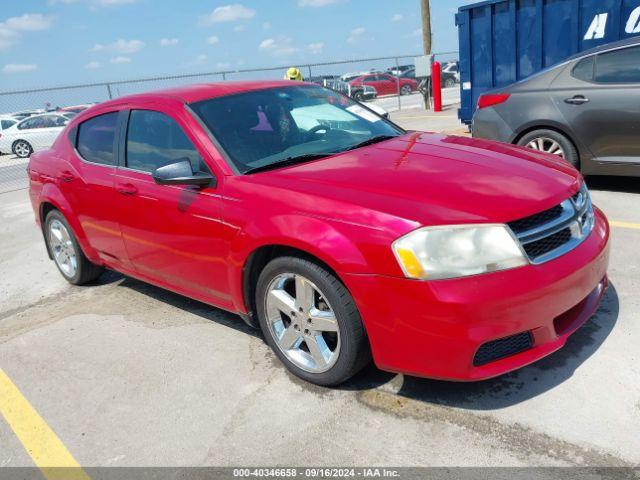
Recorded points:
(391, 78)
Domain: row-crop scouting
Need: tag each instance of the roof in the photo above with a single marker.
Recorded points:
(627, 42)
(205, 91)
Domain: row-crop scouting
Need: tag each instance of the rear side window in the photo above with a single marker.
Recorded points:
(584, 69)
(95, 139)
(619, 66)
(155, 140)
(6, 124)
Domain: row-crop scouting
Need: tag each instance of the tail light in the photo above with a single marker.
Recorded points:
(491, 99)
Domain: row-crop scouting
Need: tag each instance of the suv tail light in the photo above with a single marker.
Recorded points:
(492, 99)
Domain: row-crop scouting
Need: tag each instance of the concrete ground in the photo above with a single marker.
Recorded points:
(127, 374)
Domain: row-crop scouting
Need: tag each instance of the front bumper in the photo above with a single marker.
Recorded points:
(434, 329)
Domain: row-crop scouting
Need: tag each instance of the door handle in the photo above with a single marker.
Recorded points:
(66, 176)
(577, 100)
(127, 189)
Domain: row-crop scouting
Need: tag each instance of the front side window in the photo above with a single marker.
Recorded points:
(267, 127)
(619, 66)
(155, 140)
(28, 124)
(95, 139)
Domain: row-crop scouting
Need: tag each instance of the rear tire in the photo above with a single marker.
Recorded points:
(307, 314)
(22, 149)
(550, 141)
(71, 261)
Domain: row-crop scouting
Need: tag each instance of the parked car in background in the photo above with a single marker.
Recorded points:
(451, 69)
(32, 134)
(338, 234)
(75, 109)
(448, 79)
(584, 110)
(6, 122)
(386, 84)
(361, 93)
(21, 115)
(399, 70)
(347, 77)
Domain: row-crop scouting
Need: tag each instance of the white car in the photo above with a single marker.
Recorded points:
(32, 134)
(5, 124)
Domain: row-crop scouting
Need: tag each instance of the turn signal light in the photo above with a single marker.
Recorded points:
(492, 99)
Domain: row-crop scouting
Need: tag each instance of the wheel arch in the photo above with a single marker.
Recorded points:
(52, 198)
(554, 127)
(258, 259)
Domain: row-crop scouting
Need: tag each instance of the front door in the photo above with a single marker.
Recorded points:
(602, 106)
(172, 234)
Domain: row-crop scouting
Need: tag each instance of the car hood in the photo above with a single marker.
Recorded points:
(432, 179)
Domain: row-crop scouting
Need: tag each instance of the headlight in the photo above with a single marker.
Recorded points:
(434, 253)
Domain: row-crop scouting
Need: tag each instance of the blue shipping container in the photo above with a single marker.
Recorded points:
(502, 41)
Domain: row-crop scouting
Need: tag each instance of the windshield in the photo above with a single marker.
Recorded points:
(265, 127)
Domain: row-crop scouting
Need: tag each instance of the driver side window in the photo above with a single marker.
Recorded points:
(155, 140)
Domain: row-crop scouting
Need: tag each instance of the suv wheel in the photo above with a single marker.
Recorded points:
(310, 321)
(67, 254)
(550, 141)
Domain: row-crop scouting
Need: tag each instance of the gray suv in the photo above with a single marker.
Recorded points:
(586, 109)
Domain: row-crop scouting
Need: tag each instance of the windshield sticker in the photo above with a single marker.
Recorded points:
(363, 113)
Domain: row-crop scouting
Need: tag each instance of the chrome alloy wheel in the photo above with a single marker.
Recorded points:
(302, 323)
(22, 149)
(64, 253)
(547, 145)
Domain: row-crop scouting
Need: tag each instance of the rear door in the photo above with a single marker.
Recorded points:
(87, 183)
(600, 103)
(172, 234)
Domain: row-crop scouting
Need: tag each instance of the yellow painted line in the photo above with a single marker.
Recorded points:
(633, 226)
(41, 443)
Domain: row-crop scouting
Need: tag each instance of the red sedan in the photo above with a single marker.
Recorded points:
(386, 84)
(341, 236)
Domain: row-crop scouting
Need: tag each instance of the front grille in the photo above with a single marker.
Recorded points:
(548, 244)
(502, 348)
(554, 232)
(536, 220)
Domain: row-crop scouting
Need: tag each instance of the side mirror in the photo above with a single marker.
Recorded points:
(181, 173)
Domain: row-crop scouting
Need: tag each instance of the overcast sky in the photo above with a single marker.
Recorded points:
(54, 42)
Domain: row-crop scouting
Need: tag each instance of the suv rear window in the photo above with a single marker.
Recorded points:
(95, 139)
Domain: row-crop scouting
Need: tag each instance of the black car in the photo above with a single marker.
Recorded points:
(585, 110)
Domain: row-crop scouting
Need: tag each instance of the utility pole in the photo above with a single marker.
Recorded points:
(426, 26)
(426, 44)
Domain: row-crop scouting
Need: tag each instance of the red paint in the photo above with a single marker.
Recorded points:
(437, 86)
(492, 99)
(345, 210)
(384, 83)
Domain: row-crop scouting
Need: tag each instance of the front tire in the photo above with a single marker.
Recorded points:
(552, 142)
(22, 149)
(311, 322)
(71, 261)
(406, 90)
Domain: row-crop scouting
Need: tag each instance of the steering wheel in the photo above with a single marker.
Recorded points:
(316, 129)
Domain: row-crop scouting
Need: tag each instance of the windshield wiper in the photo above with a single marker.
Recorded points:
(285, 162)
(371, 141)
